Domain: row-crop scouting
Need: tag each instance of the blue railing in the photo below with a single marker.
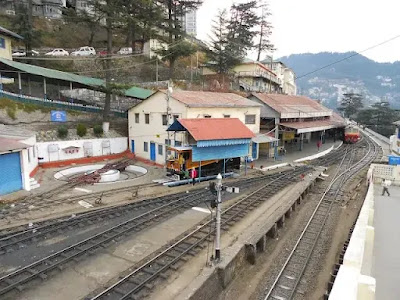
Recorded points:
(59, 104)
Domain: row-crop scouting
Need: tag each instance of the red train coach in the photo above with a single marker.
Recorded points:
(351, 135)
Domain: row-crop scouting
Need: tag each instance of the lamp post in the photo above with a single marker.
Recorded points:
(218, 187)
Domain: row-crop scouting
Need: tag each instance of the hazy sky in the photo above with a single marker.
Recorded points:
(324, 25)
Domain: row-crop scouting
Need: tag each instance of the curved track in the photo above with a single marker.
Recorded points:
(287, 281)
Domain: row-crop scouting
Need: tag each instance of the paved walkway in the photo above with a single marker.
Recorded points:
(293, 153)
(386, 267)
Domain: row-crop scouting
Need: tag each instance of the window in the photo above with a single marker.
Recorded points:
(250, 119)
(176, 117)
(167, 142)
(137, 118)
(227, 116)
(207, 116)
(178, 143)
(29, 154)
(160, 149)
(2, 43)
(146, 147)
(147, 118)
(164, 119)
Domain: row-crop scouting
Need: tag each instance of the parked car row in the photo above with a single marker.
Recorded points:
(82, 51)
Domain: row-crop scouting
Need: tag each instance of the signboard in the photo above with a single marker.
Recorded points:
(394, 160)
(58, 116)
(287, 136)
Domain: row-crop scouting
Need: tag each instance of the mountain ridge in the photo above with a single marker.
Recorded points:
(374, 80)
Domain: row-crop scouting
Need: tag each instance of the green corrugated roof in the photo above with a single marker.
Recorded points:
(54, 74)
(137, 92)
(134, 92)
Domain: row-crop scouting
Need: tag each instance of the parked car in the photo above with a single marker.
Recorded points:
(20, 53)
(102, 53)
(58, 52)
(84, 51)
(125, 51)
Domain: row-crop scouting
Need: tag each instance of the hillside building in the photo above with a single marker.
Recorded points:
(251, 76)
(285, 75)
(51, 9)
(149, 120)
(6, 38)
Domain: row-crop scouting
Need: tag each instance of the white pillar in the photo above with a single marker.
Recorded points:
(44, 88)
(19, 83)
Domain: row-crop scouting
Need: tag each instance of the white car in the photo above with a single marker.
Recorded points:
(125, 51)
(20, 53)
(84, 51)
(57, 52)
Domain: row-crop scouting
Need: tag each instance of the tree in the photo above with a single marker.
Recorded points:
(173, 33)
(351, 104)
(23, 25)
(89, 20)
(221, 59)
(109, 11)
(265, 31)
(241, 28)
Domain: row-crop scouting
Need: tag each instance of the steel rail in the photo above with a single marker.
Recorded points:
(167, 258)
(286, 291)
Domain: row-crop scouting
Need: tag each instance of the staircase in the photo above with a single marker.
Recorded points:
(33, 183)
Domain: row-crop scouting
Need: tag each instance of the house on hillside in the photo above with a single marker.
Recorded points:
(51, 9)
(6, 38)
(285, 75)
(251, 76)
(149, 120)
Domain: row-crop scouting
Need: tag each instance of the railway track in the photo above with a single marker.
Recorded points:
(12, 239)
(287, 281)
(43, 267)
(141, 279)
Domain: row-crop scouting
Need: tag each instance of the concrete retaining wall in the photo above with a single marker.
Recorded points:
(354, 280)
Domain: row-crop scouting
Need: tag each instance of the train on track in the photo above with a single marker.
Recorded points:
(351, 135)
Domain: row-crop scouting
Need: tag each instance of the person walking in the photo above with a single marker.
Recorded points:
(193, 174)
(319, 144)
(385, 185)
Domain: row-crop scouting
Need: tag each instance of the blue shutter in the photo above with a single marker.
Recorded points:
(10, 173)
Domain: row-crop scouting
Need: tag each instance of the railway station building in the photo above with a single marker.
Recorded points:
(295, 120)
(149, 120)
(18, 159)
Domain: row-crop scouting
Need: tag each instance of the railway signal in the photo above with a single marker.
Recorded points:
(216, 189)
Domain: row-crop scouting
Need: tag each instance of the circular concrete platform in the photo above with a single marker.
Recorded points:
(131, 172)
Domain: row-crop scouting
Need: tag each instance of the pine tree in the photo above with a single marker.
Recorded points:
(173, 32)
(351, 104)
(265, 31)
(241, 26)
(23, 25)
(221, 59)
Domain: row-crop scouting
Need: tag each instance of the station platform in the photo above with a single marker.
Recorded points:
(293, 153)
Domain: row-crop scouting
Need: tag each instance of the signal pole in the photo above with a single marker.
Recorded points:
(218, 187)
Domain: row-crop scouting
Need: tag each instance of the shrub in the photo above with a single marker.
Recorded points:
(62, 132)
(81, 130)
(98, 130)
(11, 112)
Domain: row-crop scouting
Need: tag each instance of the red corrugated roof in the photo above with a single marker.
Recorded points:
(288, 104)
(212, 99)
(11, 144)
(216, 129)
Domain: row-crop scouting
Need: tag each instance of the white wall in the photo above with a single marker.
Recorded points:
(155, 131)
(117, 145)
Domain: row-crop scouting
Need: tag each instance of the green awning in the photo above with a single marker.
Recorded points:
(134, 92)
(54, 74)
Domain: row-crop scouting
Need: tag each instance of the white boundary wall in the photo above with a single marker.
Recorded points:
(354, 280)
(54, 151)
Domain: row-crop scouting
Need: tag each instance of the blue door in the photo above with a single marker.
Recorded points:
(133, 146)
(153, 151)
(10, 173)
(254, 151)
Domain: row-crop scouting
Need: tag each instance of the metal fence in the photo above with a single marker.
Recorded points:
(59, 104)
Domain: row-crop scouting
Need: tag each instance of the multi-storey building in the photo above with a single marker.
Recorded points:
(285, 75)
(51, 9)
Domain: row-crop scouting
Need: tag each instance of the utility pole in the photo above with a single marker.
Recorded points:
(28, 44)
(169, 92)
(218, 187)
(157, 70)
